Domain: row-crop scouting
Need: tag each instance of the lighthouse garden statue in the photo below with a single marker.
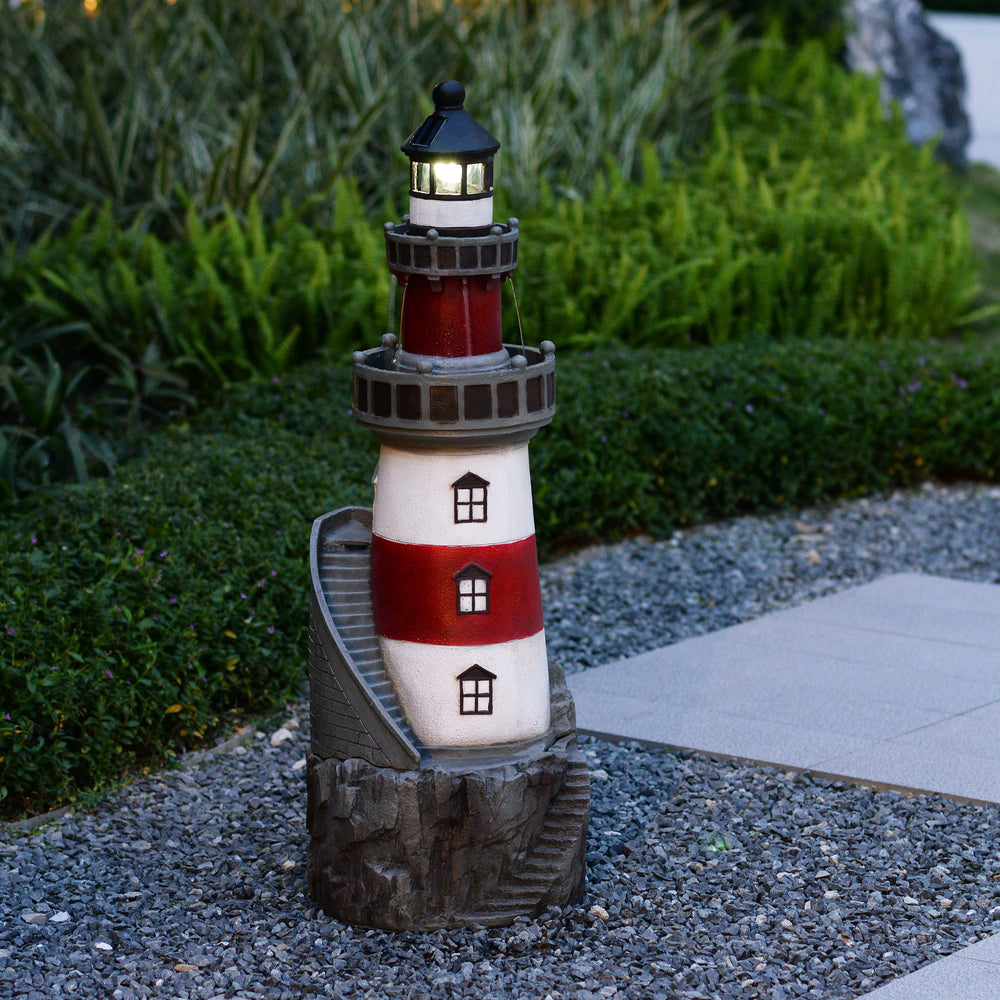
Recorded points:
(445, 786)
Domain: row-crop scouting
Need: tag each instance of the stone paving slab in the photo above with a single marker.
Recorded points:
(895, 683)
(970, 974)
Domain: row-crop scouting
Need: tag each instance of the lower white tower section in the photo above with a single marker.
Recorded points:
(456, 597)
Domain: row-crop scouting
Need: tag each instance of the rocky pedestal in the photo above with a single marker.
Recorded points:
(459, 841)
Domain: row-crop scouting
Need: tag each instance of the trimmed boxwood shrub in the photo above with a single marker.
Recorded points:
(140, 612)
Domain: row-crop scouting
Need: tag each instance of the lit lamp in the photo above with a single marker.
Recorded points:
(451, 167)
(446, 787)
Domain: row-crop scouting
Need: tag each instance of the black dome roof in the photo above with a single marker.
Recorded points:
(451, 130)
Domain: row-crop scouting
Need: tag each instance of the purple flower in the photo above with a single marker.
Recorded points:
(173, 600)
(274, 572)
(163, 555)
(10, 631)
(749, 407)
(729, 404)
(111, 675)
(243, 597)
(270, 630)
(8, 718)
(34, 539)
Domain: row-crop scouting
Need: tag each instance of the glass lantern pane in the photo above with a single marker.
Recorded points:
(420, 177)
(476, 178)
(447, 178)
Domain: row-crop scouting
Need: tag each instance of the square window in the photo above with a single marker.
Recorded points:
(470, 498)
(473, 590)
(476, 691)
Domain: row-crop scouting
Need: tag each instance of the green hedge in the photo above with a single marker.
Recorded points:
(140, 611)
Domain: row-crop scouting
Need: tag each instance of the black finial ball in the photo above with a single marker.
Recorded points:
(448, 96)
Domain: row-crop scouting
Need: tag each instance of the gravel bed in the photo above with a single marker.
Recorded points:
(614, 601)
(705, 878)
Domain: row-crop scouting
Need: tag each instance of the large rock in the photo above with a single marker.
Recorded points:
(920, 68)
(455, 843)
(462, 840)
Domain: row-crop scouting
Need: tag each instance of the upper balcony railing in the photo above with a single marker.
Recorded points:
(455, 407)
(435, 256)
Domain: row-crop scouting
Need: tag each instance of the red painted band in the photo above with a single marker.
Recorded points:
(458, 318)
(416, 596)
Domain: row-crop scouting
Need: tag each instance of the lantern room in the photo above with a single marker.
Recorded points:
(451, 168)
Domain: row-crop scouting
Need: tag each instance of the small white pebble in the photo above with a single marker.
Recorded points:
(599, 912)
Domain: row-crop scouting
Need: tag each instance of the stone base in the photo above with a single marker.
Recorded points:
(455, 843)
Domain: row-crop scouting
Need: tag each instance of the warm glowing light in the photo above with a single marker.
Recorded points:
(447, 178)
(90, 6)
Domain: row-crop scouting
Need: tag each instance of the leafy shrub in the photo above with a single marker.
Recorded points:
(799, 20)
(809, 215)
(160, 107)
(139, 611)
(110, 330)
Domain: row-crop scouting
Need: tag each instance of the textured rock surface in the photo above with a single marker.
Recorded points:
(920, 68)
(456, 843)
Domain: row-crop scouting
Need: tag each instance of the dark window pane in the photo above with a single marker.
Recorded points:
(534, 394)
(361, 394)
(446, 258)
(489, 256)
(421, 256)
(408, 402)
(381, 399)
(478, 402)
(468, 257)
(444, 403)
(507, 399)
(550, 384)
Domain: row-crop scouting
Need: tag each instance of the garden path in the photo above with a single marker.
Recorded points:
(895, 684)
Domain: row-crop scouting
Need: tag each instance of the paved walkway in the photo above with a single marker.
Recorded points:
(978, 39)
(895, 683)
